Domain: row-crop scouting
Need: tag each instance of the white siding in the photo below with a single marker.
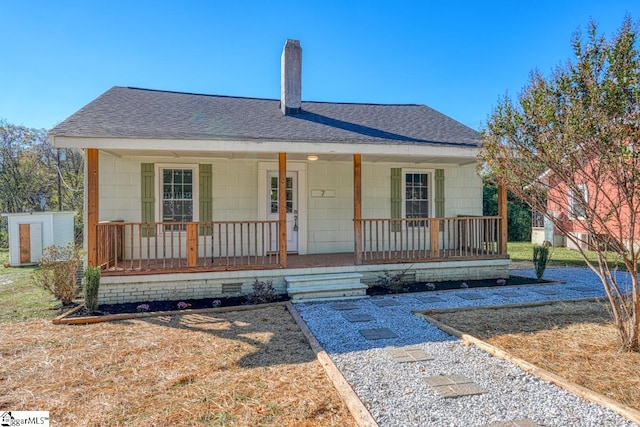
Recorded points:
(62, 229)
(235, 186)
(329, 217)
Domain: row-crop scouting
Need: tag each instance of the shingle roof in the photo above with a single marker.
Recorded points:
(124, 112)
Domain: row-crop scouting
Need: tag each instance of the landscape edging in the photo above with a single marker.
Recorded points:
(360, 413)
(64, 320)
(630, 414)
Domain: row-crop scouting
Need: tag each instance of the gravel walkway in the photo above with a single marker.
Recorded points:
(397, 394)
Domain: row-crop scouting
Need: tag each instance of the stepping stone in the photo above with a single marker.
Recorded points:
(471, 296)
(514, 423)
(378, 334)
(449, 386)
(385, 302)
(358, 317)
(408, 354)
(509, 294)
(429, 299)
(546, 291)
(344, 306)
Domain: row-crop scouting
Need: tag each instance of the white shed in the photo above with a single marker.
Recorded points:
(31, 232)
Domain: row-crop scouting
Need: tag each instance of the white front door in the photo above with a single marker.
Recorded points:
(292, 206)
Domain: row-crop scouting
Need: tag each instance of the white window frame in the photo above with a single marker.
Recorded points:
(573, 201)
(430, 187)
(159, 168)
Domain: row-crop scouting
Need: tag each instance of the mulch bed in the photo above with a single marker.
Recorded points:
(157, 306)
(376, 290)
(239, 368)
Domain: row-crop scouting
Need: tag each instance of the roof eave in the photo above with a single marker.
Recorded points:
(463, 153)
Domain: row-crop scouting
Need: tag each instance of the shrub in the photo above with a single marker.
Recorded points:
(541, 257)
(394, 282)
(263, 292)
(57, 272)
(91, 286)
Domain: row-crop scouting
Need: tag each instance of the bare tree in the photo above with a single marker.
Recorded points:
(570, 147)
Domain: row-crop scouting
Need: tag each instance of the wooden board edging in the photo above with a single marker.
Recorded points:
(61, 320)
(630, 414)
(360, 413)
(498, 307)
(67, 313)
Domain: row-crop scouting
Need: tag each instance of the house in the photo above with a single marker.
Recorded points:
(183, 193)
(584, 212)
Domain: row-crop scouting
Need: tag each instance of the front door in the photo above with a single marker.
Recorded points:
(292, 206)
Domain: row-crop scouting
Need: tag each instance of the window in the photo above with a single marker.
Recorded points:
(274, 194)
(577, 202)
(177, 194)
(417, 196)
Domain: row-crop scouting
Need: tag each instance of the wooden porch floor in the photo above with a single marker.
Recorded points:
(294, 261)
(321, 260)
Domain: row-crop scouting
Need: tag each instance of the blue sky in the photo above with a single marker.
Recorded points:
(455, 56)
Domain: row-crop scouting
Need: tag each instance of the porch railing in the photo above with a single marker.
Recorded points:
(144, 248)
(170, 246)
(415, 239)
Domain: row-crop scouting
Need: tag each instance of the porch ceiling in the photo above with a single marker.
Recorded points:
(372, 158)
(237, 155)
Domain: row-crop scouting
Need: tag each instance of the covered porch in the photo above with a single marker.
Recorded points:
(134, 248)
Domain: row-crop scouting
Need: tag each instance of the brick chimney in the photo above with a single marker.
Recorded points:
(291, 78)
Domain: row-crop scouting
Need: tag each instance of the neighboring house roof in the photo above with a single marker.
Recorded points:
(125, 112)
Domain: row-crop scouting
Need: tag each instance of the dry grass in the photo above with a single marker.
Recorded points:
(577, 341)
(236, 368)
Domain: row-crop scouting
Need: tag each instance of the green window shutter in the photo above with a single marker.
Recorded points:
(206, 197)
(396, 198)
(148, 198)
(439, 193)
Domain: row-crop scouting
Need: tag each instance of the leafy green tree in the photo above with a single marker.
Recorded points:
(575, 135)
(30, 171)
(519, 212)
(24, 182)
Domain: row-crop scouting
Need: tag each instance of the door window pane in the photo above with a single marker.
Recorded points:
(274, 195)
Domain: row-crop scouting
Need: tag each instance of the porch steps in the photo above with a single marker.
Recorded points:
(325, 286)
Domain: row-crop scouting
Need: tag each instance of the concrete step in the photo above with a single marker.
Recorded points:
(325, 286)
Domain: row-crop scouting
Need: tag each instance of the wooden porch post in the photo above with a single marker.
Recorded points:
(357, 206)
(502, 213)
(434, 234)
(282, 206)
(92, 206)
(192, 244)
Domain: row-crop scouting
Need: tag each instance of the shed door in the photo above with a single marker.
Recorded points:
(30, 243)
(25, 243)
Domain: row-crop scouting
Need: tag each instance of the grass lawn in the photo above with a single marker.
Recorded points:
(20, 299)
(560, 257)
